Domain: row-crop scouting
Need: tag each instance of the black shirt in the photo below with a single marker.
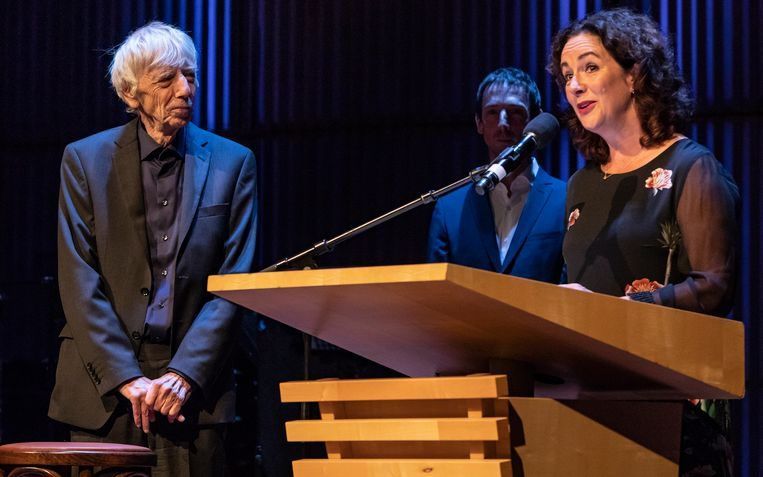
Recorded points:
(161, 170)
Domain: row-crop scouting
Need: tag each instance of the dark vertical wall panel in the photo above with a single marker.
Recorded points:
(353, 107)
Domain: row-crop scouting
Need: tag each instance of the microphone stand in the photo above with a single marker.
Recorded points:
(306, 258)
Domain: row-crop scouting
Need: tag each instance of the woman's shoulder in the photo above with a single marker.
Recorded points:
(590, 171)
(685, 153)
(695, 164)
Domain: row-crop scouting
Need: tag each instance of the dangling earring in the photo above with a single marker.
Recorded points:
(633, 92)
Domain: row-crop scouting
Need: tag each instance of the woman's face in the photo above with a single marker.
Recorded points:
(597, 87)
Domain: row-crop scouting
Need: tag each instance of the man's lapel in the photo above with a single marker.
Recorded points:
(484, 225)
(536, 201)
(195, 172)
(126, 160)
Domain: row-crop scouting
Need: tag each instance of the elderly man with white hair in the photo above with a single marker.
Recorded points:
(146, 212)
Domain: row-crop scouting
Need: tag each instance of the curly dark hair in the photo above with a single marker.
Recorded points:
(663, 100)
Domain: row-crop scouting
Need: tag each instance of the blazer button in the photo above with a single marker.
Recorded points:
(144, 291)
(136, 336)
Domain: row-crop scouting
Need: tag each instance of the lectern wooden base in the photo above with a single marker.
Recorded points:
(594, 438)
(468, 426)
(405, 427)
(400, 467)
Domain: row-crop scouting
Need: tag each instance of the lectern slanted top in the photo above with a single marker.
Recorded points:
(444, 319)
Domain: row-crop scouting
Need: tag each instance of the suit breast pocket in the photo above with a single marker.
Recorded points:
(214, 210)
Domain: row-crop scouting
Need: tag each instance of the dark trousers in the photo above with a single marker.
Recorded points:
(182, 449)
(704, 447)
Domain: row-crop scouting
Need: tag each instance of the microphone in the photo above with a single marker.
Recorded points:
(538, 132)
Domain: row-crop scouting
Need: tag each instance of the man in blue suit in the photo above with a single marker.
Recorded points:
(518, 227)
(146, 212)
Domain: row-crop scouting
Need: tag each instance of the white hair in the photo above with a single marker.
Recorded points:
(152, 45)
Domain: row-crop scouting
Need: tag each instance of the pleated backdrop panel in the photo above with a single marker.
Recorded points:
(353, 107)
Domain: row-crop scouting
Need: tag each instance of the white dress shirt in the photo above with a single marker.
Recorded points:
(507, 210)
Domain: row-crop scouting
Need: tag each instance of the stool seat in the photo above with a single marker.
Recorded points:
(83, 454)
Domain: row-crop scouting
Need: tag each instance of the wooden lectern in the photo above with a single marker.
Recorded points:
(607, 375)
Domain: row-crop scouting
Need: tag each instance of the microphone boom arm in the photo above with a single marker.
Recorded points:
(306, 258)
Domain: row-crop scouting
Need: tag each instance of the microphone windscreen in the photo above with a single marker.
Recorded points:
(544, 126)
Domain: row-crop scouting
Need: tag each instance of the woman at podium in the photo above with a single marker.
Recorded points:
(651, 216)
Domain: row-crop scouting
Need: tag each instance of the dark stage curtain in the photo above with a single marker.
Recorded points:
(352, 107)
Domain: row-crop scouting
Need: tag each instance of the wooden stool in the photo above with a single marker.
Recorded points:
(57, 459)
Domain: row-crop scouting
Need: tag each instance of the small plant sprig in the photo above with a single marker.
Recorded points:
(670, 238)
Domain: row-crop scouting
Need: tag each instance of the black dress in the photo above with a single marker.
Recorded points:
(617, 226)
(670, 228)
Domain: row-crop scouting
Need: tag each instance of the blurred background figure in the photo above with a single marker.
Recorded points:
(518, 227)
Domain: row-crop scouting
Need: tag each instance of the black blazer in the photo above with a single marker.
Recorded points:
(104, 269)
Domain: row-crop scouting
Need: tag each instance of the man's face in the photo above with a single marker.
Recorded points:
(163, 98)
(505, 111)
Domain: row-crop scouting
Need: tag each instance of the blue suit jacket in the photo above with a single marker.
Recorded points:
(463, 232)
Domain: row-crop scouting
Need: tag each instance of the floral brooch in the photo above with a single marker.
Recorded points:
(573, 218)
(660, 179)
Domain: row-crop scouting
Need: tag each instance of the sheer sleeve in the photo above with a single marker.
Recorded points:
(706, 215)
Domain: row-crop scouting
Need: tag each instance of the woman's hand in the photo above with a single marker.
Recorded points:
(576, 286)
